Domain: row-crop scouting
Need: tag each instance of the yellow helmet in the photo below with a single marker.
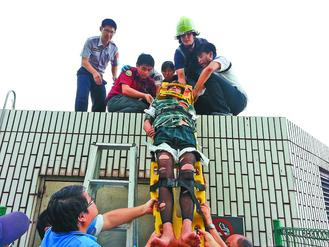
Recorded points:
(186, 91)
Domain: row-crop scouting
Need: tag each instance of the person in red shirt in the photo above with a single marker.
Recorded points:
(134, 90)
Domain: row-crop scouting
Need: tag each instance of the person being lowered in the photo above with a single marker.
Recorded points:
(171, 122)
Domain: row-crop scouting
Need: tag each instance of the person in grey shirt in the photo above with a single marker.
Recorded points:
(96, 54)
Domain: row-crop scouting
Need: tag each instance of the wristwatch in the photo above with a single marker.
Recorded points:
(210, 226)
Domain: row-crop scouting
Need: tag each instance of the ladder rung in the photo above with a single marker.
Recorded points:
(93, 183)
(101, 182)
(114, 146)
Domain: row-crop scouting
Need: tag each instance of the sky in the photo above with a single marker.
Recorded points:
(279, 49)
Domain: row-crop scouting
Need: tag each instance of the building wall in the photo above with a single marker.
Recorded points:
(307, 155)
(253, 171)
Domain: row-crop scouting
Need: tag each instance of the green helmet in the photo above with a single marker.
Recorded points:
(185, 25)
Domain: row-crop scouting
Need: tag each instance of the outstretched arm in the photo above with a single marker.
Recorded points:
(204, 76)
(208, 220)
(210, 241)
(128, 91)
(181, 76)
(121, 216)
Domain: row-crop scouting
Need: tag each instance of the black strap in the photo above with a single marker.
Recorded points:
(190, 188)
(187, 184)
(164, 182)
(173, 183)
(199, 186)
(176, 108)
(182, 53)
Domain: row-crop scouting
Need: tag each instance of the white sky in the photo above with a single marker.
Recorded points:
(279, 49)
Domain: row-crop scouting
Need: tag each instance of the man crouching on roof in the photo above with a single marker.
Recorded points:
(134, 89)
(171, 121)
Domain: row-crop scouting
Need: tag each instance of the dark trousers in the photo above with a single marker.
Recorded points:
(86, 84)
(120, 103)
(220, 97)
(235, 99)
(213, 100)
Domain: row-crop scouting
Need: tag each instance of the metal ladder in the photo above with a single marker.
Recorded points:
(92, 182)
(13, 103)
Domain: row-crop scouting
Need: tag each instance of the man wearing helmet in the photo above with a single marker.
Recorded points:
(185, 60)
(214, 100)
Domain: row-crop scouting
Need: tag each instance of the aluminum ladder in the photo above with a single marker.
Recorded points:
(13, 103)
(92, 182)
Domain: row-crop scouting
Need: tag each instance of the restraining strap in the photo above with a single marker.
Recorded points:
(177, 108)
(173, 183)
(164, 182)
(189, 186)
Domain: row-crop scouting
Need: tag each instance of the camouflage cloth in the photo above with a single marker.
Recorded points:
(171, 113)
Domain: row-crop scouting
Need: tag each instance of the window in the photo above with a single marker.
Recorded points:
(325, 187)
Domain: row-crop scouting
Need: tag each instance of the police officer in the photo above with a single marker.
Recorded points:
(96, 54)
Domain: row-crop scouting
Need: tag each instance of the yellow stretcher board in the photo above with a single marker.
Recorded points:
(177, 219)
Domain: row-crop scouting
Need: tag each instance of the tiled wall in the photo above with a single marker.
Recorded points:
(250, 173)
(307, 155)
(254, 170)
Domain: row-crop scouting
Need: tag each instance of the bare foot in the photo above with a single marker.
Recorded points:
(161, 242)
(191, 239)
(166, 238)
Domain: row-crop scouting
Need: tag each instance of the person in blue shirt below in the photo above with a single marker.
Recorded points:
(72, 212)
(188, 70)
(96, 54)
